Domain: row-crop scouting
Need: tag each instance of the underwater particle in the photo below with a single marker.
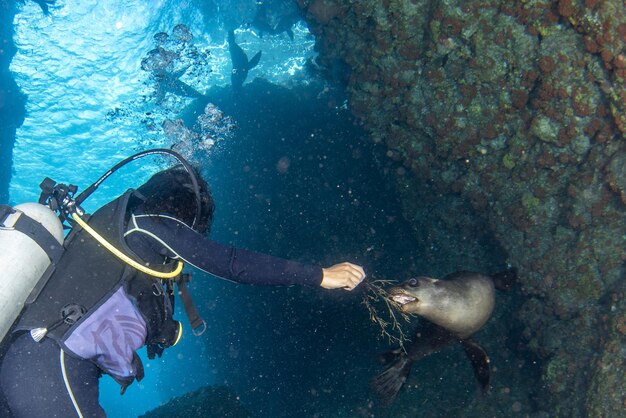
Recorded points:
(233, 352)
(282, 166)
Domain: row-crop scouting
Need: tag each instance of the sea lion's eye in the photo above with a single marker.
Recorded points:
(412, 282)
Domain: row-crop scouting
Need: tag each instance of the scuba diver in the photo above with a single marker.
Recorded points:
(111, 290)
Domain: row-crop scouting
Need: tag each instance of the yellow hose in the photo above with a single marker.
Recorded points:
(180, 333)
(124, 257)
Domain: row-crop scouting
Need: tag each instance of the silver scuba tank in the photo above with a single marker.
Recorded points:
(23, 259)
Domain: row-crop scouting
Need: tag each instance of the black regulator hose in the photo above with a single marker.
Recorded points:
(163, 151)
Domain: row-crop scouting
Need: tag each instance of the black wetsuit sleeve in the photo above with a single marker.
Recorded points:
(230, 263)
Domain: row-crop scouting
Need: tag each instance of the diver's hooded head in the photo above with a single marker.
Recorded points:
(171, 192)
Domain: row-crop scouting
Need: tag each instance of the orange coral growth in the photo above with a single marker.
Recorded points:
(547, 64)
(566, 8)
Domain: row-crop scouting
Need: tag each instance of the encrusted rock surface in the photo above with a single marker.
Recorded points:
(519, 108)
(209, 401)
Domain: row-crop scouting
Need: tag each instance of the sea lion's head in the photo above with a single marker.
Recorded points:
(409, 295)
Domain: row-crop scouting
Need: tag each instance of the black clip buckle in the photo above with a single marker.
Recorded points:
(72, 312)
(5, 211)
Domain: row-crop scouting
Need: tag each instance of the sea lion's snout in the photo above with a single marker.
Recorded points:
(407, 295)
(404, 296)
(403, 299)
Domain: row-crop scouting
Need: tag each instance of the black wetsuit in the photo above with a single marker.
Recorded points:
(238, 265)
(40, 380)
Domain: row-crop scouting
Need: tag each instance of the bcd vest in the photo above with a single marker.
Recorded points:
(88, 277)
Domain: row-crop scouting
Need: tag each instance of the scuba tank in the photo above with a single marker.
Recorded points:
(31, 238)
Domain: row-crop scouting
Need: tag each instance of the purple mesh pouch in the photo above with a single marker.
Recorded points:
(110, 336)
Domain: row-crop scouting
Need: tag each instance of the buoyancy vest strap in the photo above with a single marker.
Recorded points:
(67, 384)
(126, 259)
(137, 228)
(38, 233)
(198, 325)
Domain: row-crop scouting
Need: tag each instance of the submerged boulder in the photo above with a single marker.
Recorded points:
(209, 401)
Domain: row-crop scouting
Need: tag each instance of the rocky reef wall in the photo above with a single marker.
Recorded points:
(208, 401)
(519, 108)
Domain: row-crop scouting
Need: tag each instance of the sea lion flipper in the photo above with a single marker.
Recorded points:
(237, 56)
(254, 61)
(44, 5)
(481, 363)
(388, 383)
(240, 62)
(182, 89)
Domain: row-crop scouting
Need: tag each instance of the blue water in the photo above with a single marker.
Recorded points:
(82, 62)
(296, 178)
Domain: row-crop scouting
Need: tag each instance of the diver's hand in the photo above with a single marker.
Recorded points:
(344, 275)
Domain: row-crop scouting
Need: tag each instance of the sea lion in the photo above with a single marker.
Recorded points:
(240, 62)
(276, 18)
(456, 307)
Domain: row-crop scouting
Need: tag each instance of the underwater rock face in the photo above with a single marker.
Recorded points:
(519, 108)
(209, 401)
